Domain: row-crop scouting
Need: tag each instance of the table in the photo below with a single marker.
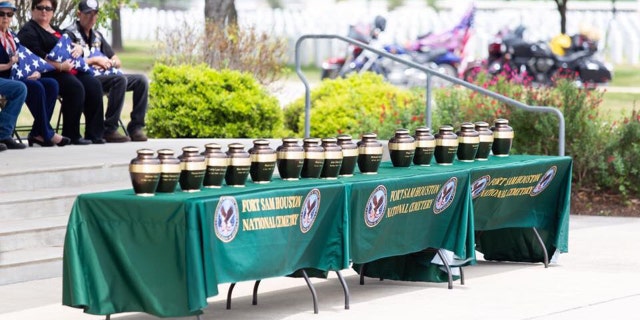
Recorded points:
(519, 202)
(165, 255)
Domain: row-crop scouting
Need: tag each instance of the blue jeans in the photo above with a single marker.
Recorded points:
(15, 92)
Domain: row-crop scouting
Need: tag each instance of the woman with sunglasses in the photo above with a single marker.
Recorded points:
(80, 91)
(41, 92)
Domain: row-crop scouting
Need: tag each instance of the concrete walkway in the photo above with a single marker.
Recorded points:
(597, 279)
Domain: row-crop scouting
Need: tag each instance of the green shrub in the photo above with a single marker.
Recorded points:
(198, 102)
(621, 169)
(358, 104)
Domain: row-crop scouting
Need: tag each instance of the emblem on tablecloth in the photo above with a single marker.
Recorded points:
(544, 181)
(309, 212)
(479, 185)
(376, 206)
(446, 195)
(227, 219)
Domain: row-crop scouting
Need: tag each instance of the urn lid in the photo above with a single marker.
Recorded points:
(369, 135)
(212, 145)
(312, 141)
(236, 146)
(165, 152)
(402, 131)
(423, 130)
(145, 152)
(467, 126)
(501, 122)
(261, 142)
(446, 128)
(290, 140)
(344, 137)
(481, 125)
(190, 149)
(329, 140)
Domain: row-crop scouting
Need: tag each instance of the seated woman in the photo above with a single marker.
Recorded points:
(80, 91)
(14, 92)
(41, 92)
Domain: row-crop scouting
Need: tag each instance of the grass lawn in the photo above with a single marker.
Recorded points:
(626, 76)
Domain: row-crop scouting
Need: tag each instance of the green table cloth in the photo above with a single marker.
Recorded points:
(165, 255)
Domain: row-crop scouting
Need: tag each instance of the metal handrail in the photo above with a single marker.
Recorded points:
(430, 73)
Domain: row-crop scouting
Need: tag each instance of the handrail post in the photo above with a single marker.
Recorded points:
(428, 97)
(430, 73)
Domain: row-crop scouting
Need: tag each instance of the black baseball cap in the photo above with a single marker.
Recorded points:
(86, 6)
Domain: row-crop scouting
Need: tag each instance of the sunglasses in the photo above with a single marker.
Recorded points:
(6, 14)
(44, 8)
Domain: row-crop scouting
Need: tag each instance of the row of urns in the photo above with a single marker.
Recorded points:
(326, 158)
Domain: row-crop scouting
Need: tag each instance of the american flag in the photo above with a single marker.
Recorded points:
(94, 52)
(62, 52)
(28, 63)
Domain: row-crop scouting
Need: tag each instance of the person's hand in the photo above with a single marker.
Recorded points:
(13, 60)
(77, 50)
(66, 66)
(34, 76)
(104, 63)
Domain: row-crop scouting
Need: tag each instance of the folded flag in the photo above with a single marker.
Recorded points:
(97, 71)
(28, 63)
(62, 52)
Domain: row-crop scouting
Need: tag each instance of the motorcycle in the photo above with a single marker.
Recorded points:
(340, 66)
(522, 61)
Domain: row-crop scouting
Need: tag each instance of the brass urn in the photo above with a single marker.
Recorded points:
(145, 170)
(369, 153)
(192, 169)
(502, 138)
(239, 165)
(468, 142)
(332, 158)
(313, 158)
(217, 163)
(169, 172)
(402, 148)
(290, 159)
(425, 145)
(349, 155)
(263, 161)
(486, 140)
(446, 145)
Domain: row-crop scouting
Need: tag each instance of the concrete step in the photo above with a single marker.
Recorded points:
(63, 176)
(30, 264)
(30, 204)
(32, 233)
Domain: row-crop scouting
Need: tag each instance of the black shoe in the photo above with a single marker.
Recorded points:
(116, 137)
(63, 142)
(3, 147)
(98, 141)
(12, 144)
(41, 143)
(81, 141)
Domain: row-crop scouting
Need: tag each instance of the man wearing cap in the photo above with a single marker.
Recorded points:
(116, 85)
(14, 92)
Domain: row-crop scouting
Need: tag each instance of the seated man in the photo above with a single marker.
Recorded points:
(115, 84)
(14, 92)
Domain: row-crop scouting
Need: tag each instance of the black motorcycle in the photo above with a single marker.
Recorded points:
(524, 61)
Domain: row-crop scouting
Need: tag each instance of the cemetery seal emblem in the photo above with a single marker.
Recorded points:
(544, 182)
(309, 212)
(376, 206)
(446, 195)
(479, 185)
(227, 220)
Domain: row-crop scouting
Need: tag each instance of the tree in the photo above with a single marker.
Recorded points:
(221, 12)
(562, 9)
